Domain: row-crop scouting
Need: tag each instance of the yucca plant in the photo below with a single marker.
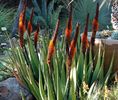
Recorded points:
(62, 70)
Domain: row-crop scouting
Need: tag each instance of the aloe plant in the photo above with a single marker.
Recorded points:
(50, 72)
(47, 77)
(34, 72)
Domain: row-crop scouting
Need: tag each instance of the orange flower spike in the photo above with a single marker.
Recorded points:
(22, 25)
(68, 30)
(30, 23)
(95, 25)
(51, 47)
(36, 36)
(51, 50)
(72, 48)
(84, 38)
(22, 21)
(97, 12)
(21, 28)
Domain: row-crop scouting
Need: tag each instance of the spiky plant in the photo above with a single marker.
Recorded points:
(49, 71)
(46, 13)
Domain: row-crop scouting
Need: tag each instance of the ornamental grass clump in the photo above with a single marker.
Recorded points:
(49, 72)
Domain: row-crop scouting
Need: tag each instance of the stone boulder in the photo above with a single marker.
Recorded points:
(10, 89)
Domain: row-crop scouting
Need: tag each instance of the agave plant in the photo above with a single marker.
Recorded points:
(45, 13)
(52, 72)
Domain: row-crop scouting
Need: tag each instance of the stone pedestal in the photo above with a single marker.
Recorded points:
(110, 46)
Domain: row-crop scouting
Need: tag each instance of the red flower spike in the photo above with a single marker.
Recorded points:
(51, 47)
(68, 66)
(95, 25)
(68, 30)
(51, 50)
(30, 23)
(72, 49)
(84, 39)
(36, 36)
(86, 25)
(22, 25)
(21, 28)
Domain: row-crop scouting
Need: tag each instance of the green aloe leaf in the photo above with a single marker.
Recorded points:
(110, 69)
(34, 58)
(97, 67)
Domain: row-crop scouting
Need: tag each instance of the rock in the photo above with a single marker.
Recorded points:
(4, 91)
(6, 94)
(10, 89)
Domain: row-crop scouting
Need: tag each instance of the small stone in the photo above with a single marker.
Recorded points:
(3, 28)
